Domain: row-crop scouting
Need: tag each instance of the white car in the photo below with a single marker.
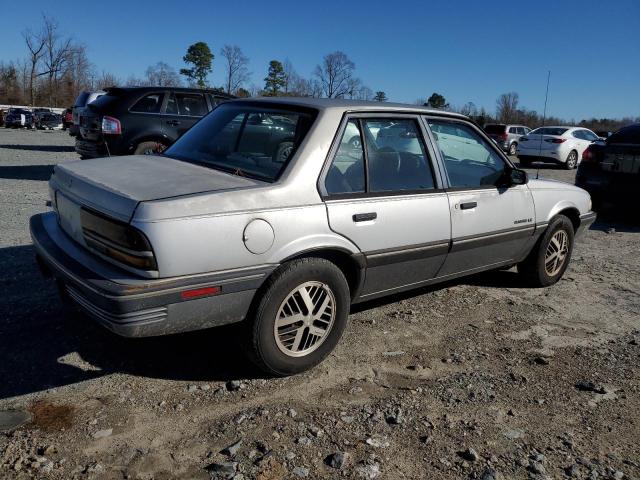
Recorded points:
(563, 145)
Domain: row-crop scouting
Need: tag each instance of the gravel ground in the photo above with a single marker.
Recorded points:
(480, 379)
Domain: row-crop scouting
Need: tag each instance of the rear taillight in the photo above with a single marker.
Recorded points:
(589, 155)
(504, 136)
(555, 140)
(111, 126)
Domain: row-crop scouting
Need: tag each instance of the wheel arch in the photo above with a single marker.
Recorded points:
(571, 212)
(351, 264)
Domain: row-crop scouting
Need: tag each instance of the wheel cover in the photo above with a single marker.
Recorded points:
(304, 319)
(556, 253)
(573, 158)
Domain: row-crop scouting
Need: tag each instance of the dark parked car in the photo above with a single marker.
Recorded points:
(139, 120)
(610, 170)
(49, 121)
(18, 118)
(82, 100)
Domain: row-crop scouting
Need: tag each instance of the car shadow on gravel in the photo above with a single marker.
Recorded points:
(44, 346)
(41, 148)
(27, 172)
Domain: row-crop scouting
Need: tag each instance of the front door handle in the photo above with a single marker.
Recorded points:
(365, 217)
(468, 205)
(173, 122)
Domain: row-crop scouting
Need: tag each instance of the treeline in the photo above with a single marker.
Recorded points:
(56, 68)
(508, 110)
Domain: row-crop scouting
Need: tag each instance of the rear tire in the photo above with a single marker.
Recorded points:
(290, 348)
(512, 148)
(549, 258)
(571, 161)
(149, 148)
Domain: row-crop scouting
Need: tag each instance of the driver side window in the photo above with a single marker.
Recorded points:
(468, 159)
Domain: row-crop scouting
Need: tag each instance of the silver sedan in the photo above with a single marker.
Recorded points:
(282, 213)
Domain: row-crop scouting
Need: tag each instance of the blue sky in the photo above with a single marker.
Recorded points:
(465, 50)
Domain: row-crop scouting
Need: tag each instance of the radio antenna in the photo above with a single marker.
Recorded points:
(544, 117)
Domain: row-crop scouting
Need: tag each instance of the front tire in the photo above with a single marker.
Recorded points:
(550, 256)
(572, 160)
(299, 317)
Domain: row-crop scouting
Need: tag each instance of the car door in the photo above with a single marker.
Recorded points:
(491, 223)
(182, 110)
(383, 192)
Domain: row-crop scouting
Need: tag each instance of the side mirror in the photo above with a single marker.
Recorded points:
(518, 177)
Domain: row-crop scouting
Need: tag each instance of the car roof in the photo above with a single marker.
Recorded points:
(349, 105)
(175, 89)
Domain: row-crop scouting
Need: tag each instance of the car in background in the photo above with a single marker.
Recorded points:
(49, 121)
(19, 118)
(67, 118)
(610, 170)
(506, 136)
(2, 114)
(561, 145)
(219, 230)
(144, 120)
(82, 100)
(39, 112)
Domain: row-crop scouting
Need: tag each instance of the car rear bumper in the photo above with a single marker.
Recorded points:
(135, 307)
(606, 186)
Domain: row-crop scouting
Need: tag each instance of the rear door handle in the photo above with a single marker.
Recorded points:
(173, 122)
(468, 205)
(365, 217)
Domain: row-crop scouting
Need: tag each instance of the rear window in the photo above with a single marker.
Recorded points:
(249, 140)
(149, 103)
(495, 129)
(629, 134)
(81, 99)
(549, 131)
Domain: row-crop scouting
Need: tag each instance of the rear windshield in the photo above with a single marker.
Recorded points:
(549, 131)
(493, 129)
(250, 140)
(629, 134)
(81, 100)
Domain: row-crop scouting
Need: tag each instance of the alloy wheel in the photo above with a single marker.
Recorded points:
(572, 159)
(304, 319)
(556, 253)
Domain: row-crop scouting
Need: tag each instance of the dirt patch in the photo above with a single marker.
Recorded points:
(51, 417)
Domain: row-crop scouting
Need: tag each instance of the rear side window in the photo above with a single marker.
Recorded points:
(346, 174)
(149, 104)
(578, 134)
(191, 104)
(513, 130)
(396, 158)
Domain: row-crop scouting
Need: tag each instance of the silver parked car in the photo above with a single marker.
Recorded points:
(507, 136)
(220, 229)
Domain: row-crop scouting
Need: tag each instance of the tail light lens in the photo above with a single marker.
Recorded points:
(117, 240)
(556, 140)
(111, 126)
(590, 155)
(504, 136)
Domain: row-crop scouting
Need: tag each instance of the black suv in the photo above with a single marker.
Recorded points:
(141, 120)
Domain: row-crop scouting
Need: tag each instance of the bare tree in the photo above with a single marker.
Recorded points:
(35, 44)
(55, 57)
(507, 107)
(106, 80)
(237, 72)
(162, 75)
(334, 74)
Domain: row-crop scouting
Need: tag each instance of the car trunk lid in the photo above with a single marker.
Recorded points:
(116, 185)
(622, 158)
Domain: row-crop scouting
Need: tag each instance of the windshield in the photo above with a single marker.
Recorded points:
(495, 129)
(549, 131)
(247, 139)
